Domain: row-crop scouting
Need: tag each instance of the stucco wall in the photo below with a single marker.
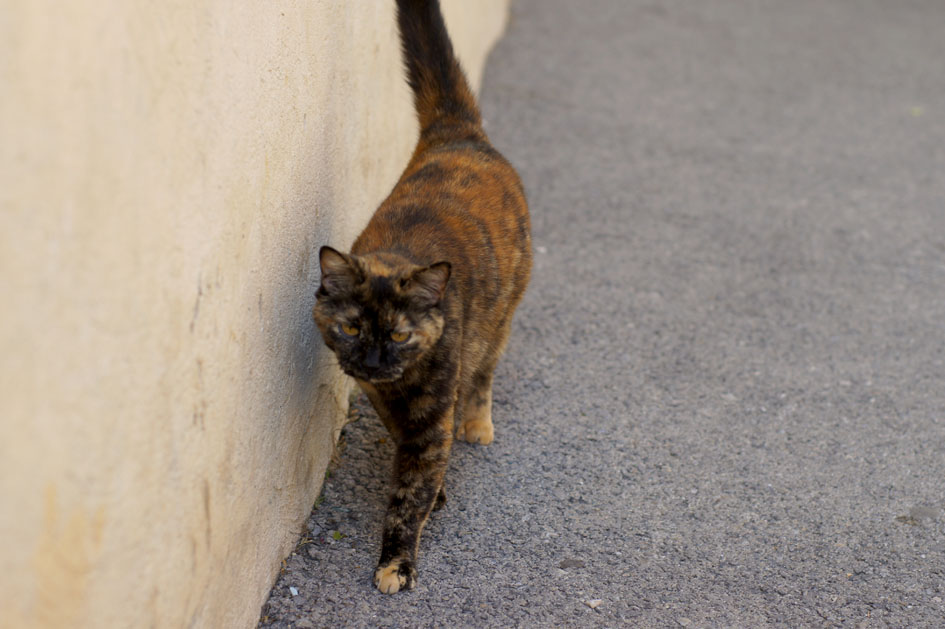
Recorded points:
(167, 172)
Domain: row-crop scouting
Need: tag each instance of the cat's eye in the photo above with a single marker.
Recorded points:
(399, 337)
(350, 330)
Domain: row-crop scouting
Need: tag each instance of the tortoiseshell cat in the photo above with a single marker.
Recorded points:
(419, 311)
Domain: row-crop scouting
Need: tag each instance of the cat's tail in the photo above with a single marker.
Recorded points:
(441, 92)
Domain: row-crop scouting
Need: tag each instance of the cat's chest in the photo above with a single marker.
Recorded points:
(402, 408)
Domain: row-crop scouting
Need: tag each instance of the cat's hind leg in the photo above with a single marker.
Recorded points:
(476, 421)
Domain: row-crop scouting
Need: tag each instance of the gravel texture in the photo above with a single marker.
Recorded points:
(723, 403)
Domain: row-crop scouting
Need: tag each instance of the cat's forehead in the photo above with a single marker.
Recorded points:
(383, 275)
(380, 294)
(386, 314)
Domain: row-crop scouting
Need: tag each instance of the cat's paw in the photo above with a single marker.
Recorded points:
(476, 431)
(397, 575)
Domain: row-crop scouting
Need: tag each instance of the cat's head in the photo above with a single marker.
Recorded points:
(379, 313)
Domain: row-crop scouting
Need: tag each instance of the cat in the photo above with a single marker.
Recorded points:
(420, 309)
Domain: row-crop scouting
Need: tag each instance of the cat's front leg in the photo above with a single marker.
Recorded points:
(419, 467)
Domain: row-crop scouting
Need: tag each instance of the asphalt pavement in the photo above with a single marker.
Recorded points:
(723, 402)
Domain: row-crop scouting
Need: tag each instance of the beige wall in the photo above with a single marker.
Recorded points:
(167, 172)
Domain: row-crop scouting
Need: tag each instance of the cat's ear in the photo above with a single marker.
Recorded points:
(339, 272)
(427, 286)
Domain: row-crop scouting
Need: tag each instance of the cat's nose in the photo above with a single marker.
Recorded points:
(373, 358)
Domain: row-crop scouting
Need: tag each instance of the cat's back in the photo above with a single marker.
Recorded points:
(459, 201)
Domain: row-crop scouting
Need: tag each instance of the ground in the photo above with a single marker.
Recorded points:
(723, 403)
